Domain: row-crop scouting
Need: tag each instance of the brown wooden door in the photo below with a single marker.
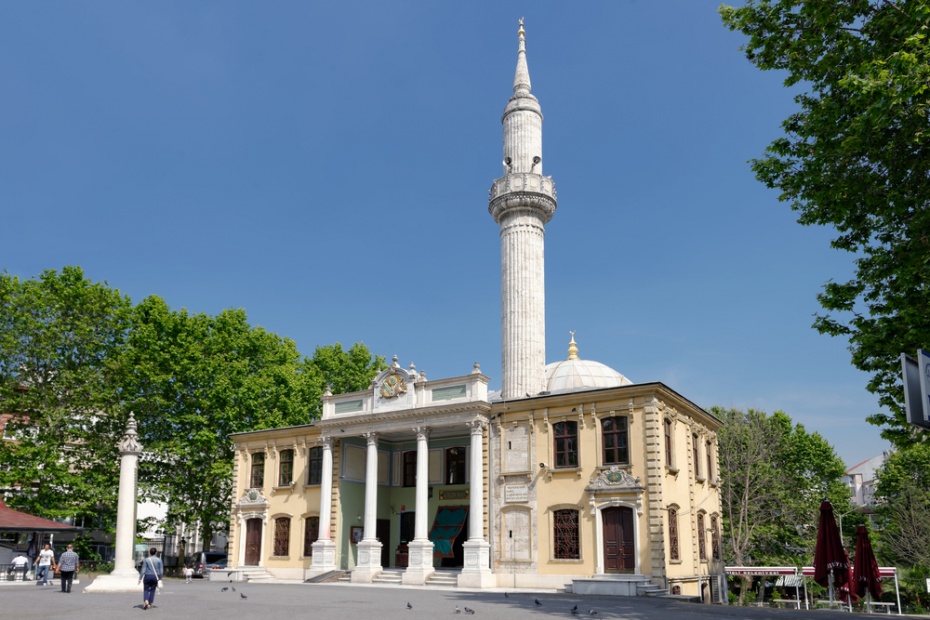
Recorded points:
(253, 541)
(618, 540)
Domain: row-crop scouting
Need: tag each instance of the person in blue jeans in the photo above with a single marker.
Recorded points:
(45, 561)
(151, 573)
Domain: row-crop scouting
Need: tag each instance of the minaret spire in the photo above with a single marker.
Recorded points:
(522, 201)
(521, 80)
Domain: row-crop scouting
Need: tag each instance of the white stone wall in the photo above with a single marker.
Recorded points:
(522, 141)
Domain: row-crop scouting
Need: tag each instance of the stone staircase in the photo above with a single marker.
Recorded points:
(445, 579)
(389, 576)
(257, 574)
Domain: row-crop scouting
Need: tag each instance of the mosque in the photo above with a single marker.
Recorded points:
(572, 476)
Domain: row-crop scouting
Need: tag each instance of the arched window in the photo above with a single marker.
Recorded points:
(286, 474)
(615, 441)
(673, 534)
(566, 535)
(715, 537)
(315, 466)
(565, 435)
(258, 471)
(702, 537)
(311, 534)
(282, 536)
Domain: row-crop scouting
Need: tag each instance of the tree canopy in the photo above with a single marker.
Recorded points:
(856, 156)
(902, 498)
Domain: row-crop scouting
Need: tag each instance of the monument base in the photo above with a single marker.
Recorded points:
(324, 559)
(369, 561)
(419, 563)
(477, 570)
(115, 583)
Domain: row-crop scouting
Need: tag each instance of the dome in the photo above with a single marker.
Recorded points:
(574, 373)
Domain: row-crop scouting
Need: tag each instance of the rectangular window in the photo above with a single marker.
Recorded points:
(615, 441)
(455, 465)
(286, 474)
(702, 537)
(315, 466)
(311, 534)
(697, 462)
(714, 538)
(410, 468)
(566, 535)
(565, 435)
(282, 536)
(710, 462)
(673, 534)
(668, 442)
(257, 480)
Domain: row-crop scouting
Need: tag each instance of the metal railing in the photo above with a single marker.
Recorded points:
(13, 572)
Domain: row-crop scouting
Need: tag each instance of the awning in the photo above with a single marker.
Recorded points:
(15, 521)
(447, 526)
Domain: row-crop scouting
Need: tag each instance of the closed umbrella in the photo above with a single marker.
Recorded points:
(846, 593)
(866, 578)
(829, 557)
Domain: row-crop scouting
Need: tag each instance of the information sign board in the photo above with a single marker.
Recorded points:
(916, 374)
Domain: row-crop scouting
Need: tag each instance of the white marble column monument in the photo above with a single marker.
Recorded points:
(324, 549)
(477, 570)
(420, 549)
(369, 549)
(125, 577)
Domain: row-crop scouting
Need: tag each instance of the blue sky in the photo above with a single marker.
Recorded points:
(326, 166)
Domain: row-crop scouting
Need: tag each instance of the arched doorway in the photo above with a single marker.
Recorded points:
(618, 540)
(253, 542)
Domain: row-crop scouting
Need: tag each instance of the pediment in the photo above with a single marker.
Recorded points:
(614, 479)
(252, 498)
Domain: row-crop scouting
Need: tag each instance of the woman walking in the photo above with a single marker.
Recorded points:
(151, 574)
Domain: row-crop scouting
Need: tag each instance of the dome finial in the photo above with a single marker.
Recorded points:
(572, 348)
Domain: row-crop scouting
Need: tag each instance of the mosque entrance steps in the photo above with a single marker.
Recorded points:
(392, 576)
(617, 585)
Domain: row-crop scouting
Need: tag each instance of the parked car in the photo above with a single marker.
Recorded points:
(207, 560)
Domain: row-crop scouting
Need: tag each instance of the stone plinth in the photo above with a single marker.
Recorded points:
(324, 559)
(369, 561)
(477, 572)
(419, 563)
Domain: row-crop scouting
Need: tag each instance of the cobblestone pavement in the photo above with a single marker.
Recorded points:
(204, 600)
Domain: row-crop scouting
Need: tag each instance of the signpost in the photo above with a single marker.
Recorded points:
(916, 373)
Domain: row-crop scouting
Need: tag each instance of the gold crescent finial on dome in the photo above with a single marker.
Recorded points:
(521, 27)
(572, 348)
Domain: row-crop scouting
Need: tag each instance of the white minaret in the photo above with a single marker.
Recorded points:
(522, 202)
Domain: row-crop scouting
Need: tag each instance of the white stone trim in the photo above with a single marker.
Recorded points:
(599, 532)
(500, 546)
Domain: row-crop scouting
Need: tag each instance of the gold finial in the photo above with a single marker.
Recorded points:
(521, 27)
(572, 348)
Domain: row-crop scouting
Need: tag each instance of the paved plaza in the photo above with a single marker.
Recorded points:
(203, 599)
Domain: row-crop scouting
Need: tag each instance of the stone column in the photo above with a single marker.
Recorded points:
(420, 550)
(124, 577)
(324, 549)
(241, 555)
(369, 549)
(477, 572)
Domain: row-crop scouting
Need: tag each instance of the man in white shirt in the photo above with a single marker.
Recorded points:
(20, 563)
(45, 560)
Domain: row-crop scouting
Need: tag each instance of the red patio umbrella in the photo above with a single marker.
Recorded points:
(845, 593)
(865, 574)
(829, 557)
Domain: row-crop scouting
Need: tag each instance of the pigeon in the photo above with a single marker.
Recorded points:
(506, 595)
(469, 611)
(233, 588)
(409, 606)
(457, 610)
(538, 604)
(224, 589)
(575, 610)
(243, 595)
(593, 613)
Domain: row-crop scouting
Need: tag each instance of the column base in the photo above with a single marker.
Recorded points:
(419, 563)
(369, 562)
(477, 571)
(115, 583)
(324, 559)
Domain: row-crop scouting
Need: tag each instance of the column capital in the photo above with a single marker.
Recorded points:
(477, 425)
(371, 438)
(422, 432)
(326, 442)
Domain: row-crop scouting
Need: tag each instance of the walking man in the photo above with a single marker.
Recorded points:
(68, 565)
(45, 560)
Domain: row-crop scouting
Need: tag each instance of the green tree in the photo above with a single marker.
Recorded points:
(856, 156)
(902, 497)
(59, 335)
(774, 475)
(345, 371)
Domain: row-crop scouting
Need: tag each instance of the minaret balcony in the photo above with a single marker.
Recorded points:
(523, 190)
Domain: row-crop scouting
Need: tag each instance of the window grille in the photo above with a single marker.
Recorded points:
(676, 589)
(315, 466)
(668, 442)
(455, 465)
(615, 441)
(715, 538)
(311, 534)
(673, 534)
(565, 435)
(702, 537)
(697, 463)
(410, 469)
(282, 536)
(286, 474)
(566, 535)
(258, 471)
